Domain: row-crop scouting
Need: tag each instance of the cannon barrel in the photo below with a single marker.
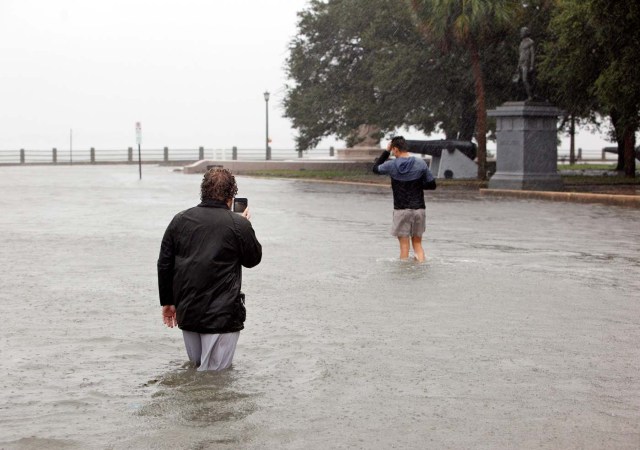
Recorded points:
(434, 147)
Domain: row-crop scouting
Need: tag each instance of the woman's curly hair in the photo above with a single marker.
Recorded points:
(218, 184)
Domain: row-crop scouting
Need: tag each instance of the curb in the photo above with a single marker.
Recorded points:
(632, 201)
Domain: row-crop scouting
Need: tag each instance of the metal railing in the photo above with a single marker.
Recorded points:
(185, 155)
(157, 155)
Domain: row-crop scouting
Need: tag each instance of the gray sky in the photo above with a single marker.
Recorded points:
(192, 72)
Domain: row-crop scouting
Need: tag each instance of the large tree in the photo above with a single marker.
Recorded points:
(618, 86)
(359, 62)
(591, 62)
(475, 25)
(333, 93)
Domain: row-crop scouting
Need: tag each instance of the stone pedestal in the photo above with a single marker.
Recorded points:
(359, 153)
(527, 152)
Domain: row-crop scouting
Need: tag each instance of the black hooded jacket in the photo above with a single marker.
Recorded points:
(200, 267)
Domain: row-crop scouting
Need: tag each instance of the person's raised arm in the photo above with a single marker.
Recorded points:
(381, 159)
(250, 248)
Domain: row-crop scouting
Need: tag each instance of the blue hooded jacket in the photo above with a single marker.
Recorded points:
(409, 177)
(406, 169)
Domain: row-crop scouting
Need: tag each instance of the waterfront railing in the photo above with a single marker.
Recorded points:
(158, 155)
(168, 155)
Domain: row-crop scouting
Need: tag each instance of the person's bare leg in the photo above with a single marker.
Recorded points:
(404, 247)
(418, 251)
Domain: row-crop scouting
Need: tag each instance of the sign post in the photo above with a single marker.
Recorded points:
(139, 140)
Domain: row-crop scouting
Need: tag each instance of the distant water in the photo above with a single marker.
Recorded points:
(521, 330)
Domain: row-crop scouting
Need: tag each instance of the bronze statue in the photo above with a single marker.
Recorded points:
(525, 62)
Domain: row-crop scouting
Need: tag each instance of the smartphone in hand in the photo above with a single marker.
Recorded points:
(240, 204)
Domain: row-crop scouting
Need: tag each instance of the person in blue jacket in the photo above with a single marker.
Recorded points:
(409, 178)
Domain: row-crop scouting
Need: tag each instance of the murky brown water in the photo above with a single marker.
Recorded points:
(522, 330)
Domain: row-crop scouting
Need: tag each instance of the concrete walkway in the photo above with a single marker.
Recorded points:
(632, 201)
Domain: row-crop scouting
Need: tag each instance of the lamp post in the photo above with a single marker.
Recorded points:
(267, 148)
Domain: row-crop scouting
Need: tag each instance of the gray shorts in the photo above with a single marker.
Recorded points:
(210, 351)
(408, 222)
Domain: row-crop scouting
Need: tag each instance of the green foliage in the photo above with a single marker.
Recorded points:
(438, 65)
(331, 63)
(590, 63)
(365, 62)
(570, 60)
(474, 26)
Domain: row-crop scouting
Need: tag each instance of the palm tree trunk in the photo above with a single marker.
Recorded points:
(481, 110)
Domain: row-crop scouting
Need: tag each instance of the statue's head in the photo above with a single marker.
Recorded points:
(524, 32)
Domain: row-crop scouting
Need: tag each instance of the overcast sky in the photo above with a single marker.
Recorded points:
(193, 72)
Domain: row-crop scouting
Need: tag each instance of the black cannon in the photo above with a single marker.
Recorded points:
(615, 151)
(456, 162)
(434, 148)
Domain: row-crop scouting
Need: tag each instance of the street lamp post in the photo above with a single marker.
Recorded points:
(267, 148)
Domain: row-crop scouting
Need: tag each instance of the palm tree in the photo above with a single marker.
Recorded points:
(471, 24)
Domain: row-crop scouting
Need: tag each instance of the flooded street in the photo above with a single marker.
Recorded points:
(522, 329)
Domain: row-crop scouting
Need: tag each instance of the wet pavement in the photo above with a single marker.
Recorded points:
(522, 330)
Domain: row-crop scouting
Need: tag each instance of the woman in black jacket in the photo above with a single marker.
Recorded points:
(200, 272)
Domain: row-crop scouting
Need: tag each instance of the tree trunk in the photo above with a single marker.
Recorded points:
(481, 111)
(572, 144)
(620, 163)
(615, 121)
(467, 123)
(629, 152)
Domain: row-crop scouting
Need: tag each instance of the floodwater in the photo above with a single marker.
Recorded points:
(522, 330)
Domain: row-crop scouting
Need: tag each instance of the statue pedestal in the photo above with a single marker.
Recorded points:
(359, 153)
(527, 152)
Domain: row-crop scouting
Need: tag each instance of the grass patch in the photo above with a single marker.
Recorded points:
(562, 167)
(585, 183)
(366, 177)
(332, 175)
(356, 177)
(611, 180)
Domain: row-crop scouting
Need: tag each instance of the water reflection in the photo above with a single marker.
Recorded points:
(198, 399)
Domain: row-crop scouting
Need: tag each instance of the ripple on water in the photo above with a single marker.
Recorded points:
(38, 443)
(198, 399)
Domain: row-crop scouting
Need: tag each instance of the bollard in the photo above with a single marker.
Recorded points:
(130, 154)
(331, 151)
(166, 154)
(21, 156)
(54, 156)
(201, 153)
(93, 155)
(234, 153)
